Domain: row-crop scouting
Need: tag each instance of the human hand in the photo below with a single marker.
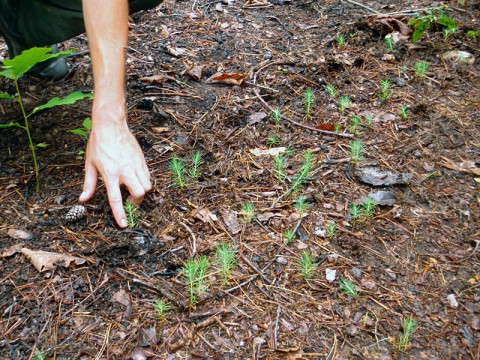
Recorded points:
(113, 153)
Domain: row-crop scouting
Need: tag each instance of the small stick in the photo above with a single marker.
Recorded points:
(364, 6)
(194, 239)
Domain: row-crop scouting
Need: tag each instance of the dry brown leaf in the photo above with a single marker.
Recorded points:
(15, 249)
(122, 297)
(291, 354)
(19, 234)
(231, 221)
(45, 260)
(466, 166)
(271, 151)
(193, 70)
(227, 78)
(161, 129)
(159, 78)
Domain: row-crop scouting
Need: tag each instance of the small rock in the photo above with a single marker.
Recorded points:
(267, 55)
(330, 274)
(400, 82)
(452, 300)
(281, 260)
(391, 273)
(357, 272)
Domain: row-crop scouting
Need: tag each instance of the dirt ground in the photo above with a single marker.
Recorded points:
(220, 68)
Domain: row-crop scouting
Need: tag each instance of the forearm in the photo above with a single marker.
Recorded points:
(106, 22)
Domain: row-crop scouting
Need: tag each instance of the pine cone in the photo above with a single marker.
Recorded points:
(76, 213)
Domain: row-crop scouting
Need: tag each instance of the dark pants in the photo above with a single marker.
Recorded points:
(28, 23)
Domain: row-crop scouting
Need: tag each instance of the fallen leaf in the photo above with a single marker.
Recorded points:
(452, 300)
(227, 78)
(374, 176)
(267, 216)
(459, 56)
(256, 117)
(466, 166)
(231, 220)
(193, 70)
(142, 353)
(175, 51)
(122, 297)
(15, 249)
(271, 151)
(160, 129)
(203, 215)
(381, 197)
(147, 337)
(291, 354)
(156, 79)
(287, 325)
(327, 127)
(20, 234)
(44, 260)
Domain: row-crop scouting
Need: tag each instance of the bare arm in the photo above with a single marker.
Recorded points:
(112, 150)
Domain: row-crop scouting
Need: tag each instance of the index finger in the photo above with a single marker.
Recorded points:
(116, 203)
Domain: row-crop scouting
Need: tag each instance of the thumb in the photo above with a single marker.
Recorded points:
(90, 183)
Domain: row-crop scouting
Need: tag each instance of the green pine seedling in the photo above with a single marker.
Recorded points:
(348, 287)
(197, 160)
(331, 229)
(273, 141)
(14, 69)
(306, 265)
(389, 44)
(341, 40)
(279, 165)
(408, 328)
(473, 33)
(368, 207)
(177, 169)
(354, 124)
(225, 259)
(304, 173)
(369, 119)
(421, 68)
(337, 128)
(355, 212)
(344, 103)
(301, 205)
(330, 89)
(385, 89)
(38, 355)
(162, 308)
(194, 274)
(308, 102)
(277, 116)
(84, 130)
(356, 150)
(248, 211)
(288, 236)
(404, 112)
(132, 213)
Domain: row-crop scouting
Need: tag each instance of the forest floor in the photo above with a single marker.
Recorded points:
(349, 222)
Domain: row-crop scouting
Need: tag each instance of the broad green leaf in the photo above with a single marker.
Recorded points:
(67, 100)
(420, 29)
(9, 125)
(87, 123)
(447, 21)
(6, 96)
(42, 145)
(20, 64)
(79, 132)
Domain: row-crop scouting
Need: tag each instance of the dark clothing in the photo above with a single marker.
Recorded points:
(28, 23)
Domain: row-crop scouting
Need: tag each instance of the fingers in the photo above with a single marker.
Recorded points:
(90, 183)
(116, 203)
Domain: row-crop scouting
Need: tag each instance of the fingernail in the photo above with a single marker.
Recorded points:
(82, 195)
(123, 223)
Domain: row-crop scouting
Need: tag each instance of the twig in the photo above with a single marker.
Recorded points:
(363, 6)
(275, 332)
(194, 239)
(246, 282)
(300, 124)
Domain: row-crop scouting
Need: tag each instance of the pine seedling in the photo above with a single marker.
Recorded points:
(304, 172)
(162, 308)
(369, 119)
(197, 160)
(194, 274)
(341, 40)
(330, 89)
(354, 124)
(132, 214)
(338, 128)
(368, 207)
(177, 169)
(277, 116)
(331, 229)
(289, 151)
(225, 260)
(348, 287)
(308, 102)
(301, 205)
(38, 355)
(248, 211)
(344, 103)
(288, 236)
(272, 141)
(279, 164)
(356, 150)
(404, 112)
(408, 328)
(355, 211)
(389, 44)
(306, 265)
(421, 68)
(385, 89)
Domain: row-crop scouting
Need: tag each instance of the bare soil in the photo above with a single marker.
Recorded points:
(417, 257)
